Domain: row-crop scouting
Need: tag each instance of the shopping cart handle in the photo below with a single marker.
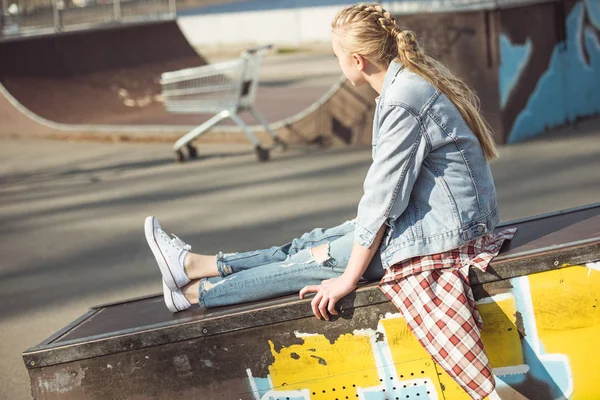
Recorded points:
(258, 49)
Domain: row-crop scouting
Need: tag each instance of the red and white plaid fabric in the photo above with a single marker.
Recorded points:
(435, 297)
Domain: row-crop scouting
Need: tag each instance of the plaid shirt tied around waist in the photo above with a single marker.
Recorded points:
(434, 295)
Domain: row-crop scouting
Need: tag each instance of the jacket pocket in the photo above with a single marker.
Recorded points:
(443, 186)
(409, 223)
(415, 211)
(403, 230)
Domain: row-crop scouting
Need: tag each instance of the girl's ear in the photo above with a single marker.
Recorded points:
(359, 61)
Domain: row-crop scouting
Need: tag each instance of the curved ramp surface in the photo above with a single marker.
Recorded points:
(95, 77)
(105, 82)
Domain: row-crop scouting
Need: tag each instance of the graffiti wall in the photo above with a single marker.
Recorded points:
(549, 73)
(465, 42)
(540, 333)
(533, 67)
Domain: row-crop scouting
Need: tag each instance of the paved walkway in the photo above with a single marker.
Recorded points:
(71, 214)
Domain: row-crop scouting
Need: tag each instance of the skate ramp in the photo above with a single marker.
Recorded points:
(277, 349)
(104, 83)
(97, 77)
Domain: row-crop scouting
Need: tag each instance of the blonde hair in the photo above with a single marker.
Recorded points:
(371, 31)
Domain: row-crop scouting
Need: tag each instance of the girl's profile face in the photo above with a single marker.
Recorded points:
(349, 64)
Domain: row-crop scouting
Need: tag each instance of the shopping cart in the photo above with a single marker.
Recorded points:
(224, 88)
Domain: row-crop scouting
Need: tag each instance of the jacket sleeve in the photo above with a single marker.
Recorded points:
(400, 150)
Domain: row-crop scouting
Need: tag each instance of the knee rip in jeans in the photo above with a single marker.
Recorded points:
(320, 253)
(207, 285)
(322, 256)
(227, 270)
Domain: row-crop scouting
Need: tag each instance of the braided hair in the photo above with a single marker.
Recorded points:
(371, 31)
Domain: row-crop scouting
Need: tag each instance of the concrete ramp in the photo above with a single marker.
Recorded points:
(99, 77)
(104, 84)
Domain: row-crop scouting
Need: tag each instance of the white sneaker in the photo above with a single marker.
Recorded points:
(169, 253)
(175, 299)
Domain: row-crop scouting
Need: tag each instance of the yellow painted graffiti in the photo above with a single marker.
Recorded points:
(318, 365)
(551, 318)
(565, 302)
(499, 334)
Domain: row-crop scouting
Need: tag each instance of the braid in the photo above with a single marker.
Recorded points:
(408, 47)
(375, 12)
(383, 29)
(384, 18)
(371, 31)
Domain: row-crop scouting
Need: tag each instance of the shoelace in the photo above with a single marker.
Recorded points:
(174, 241)
(180, 243)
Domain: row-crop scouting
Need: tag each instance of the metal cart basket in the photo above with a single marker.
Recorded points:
(224, 88)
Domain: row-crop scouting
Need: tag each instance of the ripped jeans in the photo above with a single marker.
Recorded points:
(281, 270)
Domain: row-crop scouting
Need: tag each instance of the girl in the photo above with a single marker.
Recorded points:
(428, 209)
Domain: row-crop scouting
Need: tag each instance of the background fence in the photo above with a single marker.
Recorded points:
(32, 17)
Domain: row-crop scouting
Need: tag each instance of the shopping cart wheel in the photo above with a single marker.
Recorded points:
(280, 143)
(192, 152)
(262, 154)
(179, 157)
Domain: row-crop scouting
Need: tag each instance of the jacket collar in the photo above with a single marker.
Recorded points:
(392, 71)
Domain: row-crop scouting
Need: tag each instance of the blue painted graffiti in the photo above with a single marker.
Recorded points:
(514, 59)
(570, 87)
(392, 384)
(552, 369)
(262, 386)
(593, 8)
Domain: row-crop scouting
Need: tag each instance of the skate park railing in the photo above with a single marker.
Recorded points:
(41, 17)
(225, 89)
(538, 300)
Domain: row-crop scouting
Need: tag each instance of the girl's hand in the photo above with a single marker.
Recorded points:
(328, 294)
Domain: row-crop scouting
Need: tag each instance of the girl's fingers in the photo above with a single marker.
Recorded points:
(314, 303)
(323, 307)
(331, 307)
(308, 289)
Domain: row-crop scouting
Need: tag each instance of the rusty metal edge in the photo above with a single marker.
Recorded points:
(538, 262)
(367, 295)
(543, 250)
(548, 215)
(63, 331)
(131, 300)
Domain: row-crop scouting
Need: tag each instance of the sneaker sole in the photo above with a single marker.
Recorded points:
(158, 255)
(169, 302)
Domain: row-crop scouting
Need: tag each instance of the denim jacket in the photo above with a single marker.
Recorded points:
(429, 182)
